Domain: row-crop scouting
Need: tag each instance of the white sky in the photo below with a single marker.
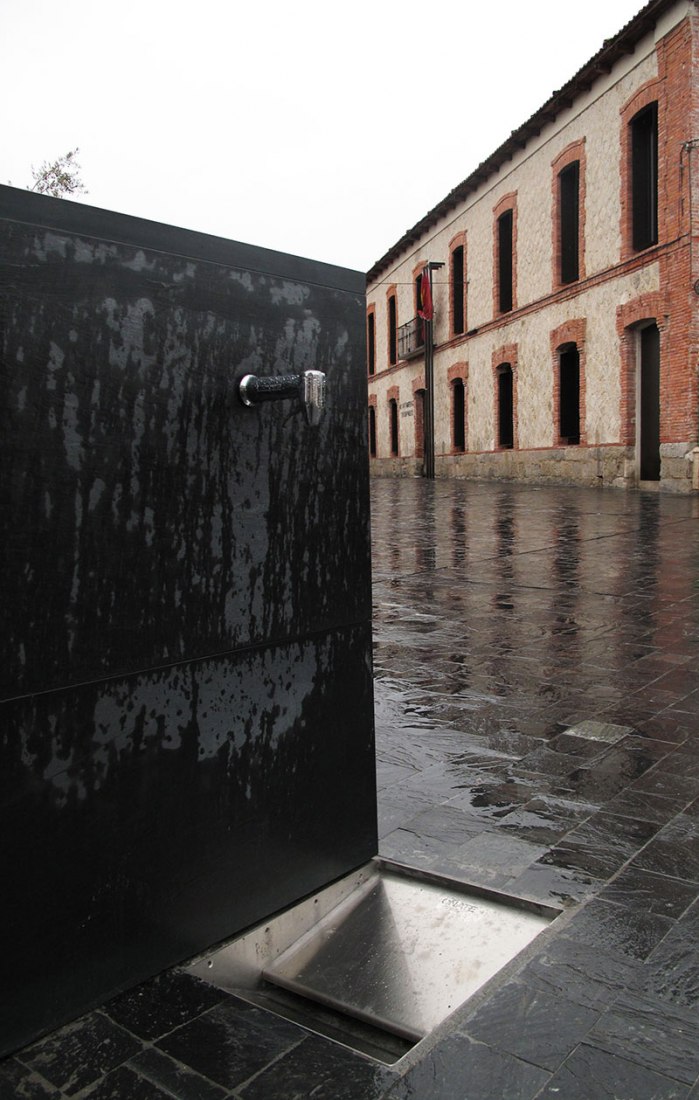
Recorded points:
(315, 128)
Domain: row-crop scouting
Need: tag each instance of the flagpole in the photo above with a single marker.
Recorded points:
(428, 465)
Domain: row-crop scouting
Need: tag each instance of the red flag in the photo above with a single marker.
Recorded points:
(426, 310)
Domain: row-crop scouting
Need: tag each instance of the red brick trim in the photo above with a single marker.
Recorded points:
(507, 202)
(571, 153)
(506, 355)
(459, 371)
(647, 307)
(571, 332)
(648, 93)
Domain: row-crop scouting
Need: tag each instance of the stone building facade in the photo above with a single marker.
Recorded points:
(565, 332)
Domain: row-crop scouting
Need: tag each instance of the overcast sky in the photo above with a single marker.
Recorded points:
(316, 128)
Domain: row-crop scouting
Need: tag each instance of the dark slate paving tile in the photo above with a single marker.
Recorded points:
(125, 1084)
(447, 825)
(538, 1026)
(179, 1081)
(492, 859)
(228, 1045)
(581, 972)
(321, 1069)
(672, 971)
(665, 1041)
(642, 805)
(158, 1006)
(592, 1074)
(80, 1053)
(543, 820)
(19, 1083)
(659, 780)
(605, 777)
(618, 928)
(650, 892)
(601, 845)
(461, 1069)
(674, 851)
(553, 885)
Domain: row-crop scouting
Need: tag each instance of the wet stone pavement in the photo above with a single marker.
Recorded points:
(537, 700)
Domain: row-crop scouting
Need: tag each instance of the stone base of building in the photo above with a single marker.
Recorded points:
(589, 466)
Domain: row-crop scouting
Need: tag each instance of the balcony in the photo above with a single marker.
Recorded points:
(411, 338)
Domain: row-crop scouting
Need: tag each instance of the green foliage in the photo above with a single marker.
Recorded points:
(60, 178)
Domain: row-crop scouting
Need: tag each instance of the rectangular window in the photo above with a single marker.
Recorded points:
(393, 415)
(371, 343)
(458, 414)
(392, 331)
(569, 213)
(569, 394)
(505, 243)
(644, 177)
(457, 290)
(372, 431)
(506, 433)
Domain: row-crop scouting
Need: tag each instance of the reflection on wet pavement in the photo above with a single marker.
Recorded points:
(537, 701)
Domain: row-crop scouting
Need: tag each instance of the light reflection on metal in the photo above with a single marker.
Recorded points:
(390, 946)
(308, 387)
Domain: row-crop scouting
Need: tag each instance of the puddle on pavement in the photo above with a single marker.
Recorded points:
(379, 959)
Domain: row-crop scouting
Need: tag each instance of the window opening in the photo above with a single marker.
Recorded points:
(506, 433)
(371, 343)
(372, 431)
(569, 394)
(393, 413)
(505, 243)
(644, 177)
(458, 414)
(569, 211)
(392, 331)
(457, 290)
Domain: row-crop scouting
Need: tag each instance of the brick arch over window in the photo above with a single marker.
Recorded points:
(506, 356)
(650, 92)
(575, 152)
(646, 308)
(566, 335)
(457, 380)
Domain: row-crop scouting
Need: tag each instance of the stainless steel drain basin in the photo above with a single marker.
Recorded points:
(393, 948)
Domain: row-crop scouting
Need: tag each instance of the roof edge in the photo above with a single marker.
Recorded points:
(600, 64)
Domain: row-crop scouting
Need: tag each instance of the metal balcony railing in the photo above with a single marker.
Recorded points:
(411, 338)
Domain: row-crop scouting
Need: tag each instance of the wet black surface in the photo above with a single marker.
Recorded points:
(186, 589)
(536, 660)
